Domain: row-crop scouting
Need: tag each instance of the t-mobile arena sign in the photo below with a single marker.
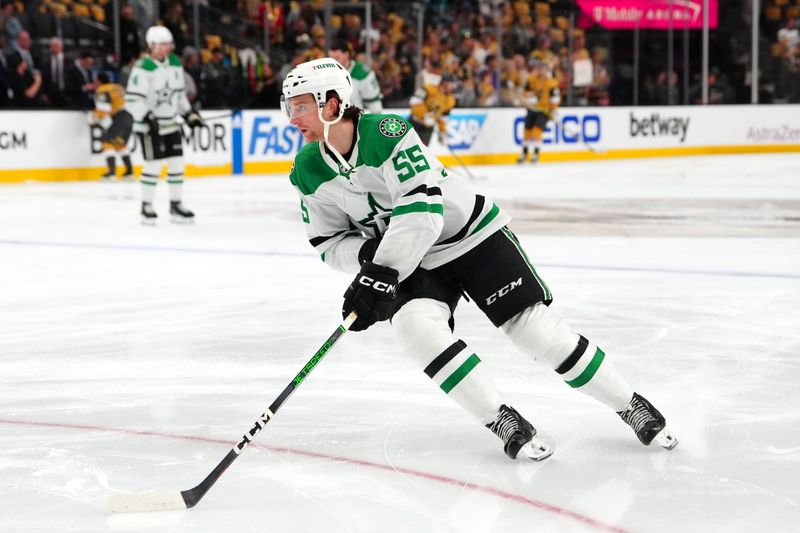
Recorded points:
(649, 14)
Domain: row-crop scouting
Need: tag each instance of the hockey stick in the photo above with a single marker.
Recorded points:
(164, 500)
(461, 163)
(221, 116)
(593, 149)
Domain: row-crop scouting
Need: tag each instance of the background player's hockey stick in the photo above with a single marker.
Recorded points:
(164, 500)
(575, 133)
(466, 169)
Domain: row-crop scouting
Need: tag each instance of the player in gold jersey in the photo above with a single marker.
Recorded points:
(109, 112)
(430, 106)
(541, 97)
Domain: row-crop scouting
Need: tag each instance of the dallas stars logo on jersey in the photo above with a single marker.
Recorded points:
(391, 127)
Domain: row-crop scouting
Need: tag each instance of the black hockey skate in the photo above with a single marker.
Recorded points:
(518, 435)
(109, 176)
(523, 157)
(149, 216)
(180, 214)
(648, 423)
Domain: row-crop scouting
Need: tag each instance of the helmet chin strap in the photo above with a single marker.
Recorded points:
(326, 126)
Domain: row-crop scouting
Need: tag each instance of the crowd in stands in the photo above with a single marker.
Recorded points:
(52, 48)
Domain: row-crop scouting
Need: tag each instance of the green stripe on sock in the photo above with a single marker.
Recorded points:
(588, 372)
(148, 182)
(460, 373)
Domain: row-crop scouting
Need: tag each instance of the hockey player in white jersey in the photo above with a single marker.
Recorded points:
(155, 97)
(366, 89)
(377, 203)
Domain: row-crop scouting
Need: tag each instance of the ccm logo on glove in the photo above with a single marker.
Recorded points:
(371, 295)
(380, 286)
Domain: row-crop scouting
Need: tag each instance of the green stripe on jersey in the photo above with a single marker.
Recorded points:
(460, 373)
(588, 372)
(491, 215)
(418, 207)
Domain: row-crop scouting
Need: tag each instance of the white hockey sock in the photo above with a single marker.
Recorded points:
(175, 169)
(542, 334)
(149, 179)
(588, 370)
(423, 331)
(175, 187)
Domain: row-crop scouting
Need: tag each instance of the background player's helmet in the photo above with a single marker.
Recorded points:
(158, 35)
(317, 78)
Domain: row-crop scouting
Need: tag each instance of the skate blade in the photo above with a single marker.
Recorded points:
(181, 220)
(148, 221)
(666, 439)
(535, 450)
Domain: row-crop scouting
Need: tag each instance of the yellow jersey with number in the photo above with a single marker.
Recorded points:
(545, 92)
(109, 98)
(431, 100)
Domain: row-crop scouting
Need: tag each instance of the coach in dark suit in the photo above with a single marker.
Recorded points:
(78, 84)
(54, 69)
(23, 78)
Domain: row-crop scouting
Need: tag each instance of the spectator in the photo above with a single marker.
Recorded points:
(24, 79)
(176, 23)
(53, 74)
(601, 80)
(130, 37)
(191, 73)
(719, 92)
(666, 91)
(789, 37)
(215, 81)
(10, 25)
(268, 90)
(5, 89)
(79, 84)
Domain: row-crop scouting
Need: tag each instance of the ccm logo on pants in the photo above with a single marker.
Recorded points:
(502, 292)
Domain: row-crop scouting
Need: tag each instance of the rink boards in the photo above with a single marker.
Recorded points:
(62, 145)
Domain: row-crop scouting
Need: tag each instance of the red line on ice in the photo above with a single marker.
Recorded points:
(554, 509)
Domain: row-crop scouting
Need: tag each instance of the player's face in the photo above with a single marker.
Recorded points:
(161, 50)
(302, 113)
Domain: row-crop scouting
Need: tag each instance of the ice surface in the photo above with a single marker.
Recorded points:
(132, 358)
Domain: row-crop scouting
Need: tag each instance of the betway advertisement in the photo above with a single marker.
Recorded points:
(63, 146)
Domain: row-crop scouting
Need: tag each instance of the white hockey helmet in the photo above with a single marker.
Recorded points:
(158, 35)
(317, 78)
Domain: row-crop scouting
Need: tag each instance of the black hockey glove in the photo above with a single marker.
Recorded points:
(152, 124)
(367, 251)
(193, 119)
(370, 295)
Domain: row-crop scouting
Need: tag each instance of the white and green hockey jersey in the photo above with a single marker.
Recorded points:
(157, 87)
(366, 89)
(396, 190)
